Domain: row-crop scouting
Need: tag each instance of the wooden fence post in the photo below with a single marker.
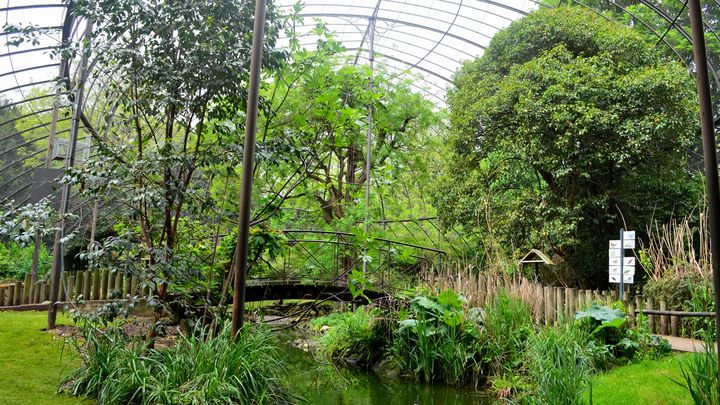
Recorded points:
(87, 285)
(26, 290)
(18, 293)
(650, 318)
(127, 283)
(119, 283)
(675, 325)
(560, 304)
(105, 284)
(11, 296)
(2, 296)
(42, 291)
(97, 279)
(663, 319)
(71, 287)
(631, 314)
(78, 284)
(548, 305)
(572, 302)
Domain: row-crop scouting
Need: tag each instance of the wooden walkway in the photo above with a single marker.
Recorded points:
(681, 344)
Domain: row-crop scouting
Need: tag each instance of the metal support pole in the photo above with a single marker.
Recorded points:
(240, 264)
(66, 32)
(371, 112)
(709, 149)
(59, 245)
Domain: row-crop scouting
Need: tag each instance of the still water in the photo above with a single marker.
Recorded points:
(326, 384)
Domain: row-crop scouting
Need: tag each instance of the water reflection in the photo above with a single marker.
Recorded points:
(326, 384)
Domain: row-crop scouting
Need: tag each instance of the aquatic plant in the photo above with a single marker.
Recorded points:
(440, 342)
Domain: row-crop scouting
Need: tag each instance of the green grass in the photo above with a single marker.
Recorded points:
(30, 360)
(647, 382)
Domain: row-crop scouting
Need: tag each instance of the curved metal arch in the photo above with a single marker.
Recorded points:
(445, 45)
(395, 21)
(29, 69)
(409, 64)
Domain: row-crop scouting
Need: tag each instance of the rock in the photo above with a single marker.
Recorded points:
(324, 329)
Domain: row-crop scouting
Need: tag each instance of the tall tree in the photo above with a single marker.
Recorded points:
(174, 69)
(559, 134)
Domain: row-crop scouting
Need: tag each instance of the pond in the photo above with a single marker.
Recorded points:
(326, 384)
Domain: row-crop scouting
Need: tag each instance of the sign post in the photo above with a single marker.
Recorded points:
(621, 268)
(622, 263)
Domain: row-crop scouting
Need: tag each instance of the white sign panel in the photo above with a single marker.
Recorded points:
(629, 244)
(615, 270)
(628, 270)
(629, 261)
(614, 252)
(629, 235)
(615, 244)
(615, 261)
(627, 278)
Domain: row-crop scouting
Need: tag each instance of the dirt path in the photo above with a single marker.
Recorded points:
(681, 344)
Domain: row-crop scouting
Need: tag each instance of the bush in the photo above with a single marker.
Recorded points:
(198, 369)
(16, 261)
(357, 337)
(609, 328)
(440, 343)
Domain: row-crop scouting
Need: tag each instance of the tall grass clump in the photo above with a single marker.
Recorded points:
(199, 369)
(357, 337)
(507, 323)
(700, 375)
(560, 365)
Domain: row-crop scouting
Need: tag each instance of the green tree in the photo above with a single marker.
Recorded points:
(559, 133)
(178, 69)
(320, 103)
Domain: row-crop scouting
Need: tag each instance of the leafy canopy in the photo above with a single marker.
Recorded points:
(558, 133)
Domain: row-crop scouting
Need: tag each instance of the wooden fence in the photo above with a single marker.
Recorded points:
(88, 285)
(551, 305)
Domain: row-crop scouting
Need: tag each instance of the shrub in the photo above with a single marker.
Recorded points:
(609, 328)
(357, 337)
(198, 369)
(439, 343)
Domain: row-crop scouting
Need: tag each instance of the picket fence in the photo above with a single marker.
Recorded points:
(549, 304)
(85, 285)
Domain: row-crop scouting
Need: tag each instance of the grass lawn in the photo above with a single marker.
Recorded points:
(31, 367)
(30, 360)
(647, 382)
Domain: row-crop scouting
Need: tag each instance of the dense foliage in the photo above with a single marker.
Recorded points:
(198, 369)
(16, 261)
(437, 338)
(558, 135)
